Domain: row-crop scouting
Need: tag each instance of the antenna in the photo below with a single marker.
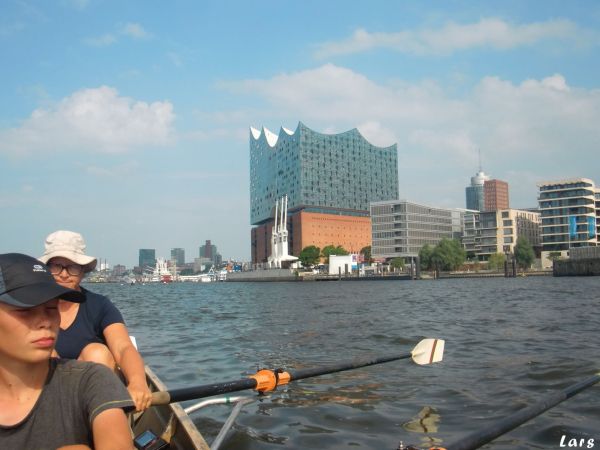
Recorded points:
(479, 151)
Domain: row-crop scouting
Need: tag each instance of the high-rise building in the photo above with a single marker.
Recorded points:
(474, 192)
(330, 180)
(178, 255)
(568, 210)
(495, 195)
(401, 228)
(147, 258)
(209, 251)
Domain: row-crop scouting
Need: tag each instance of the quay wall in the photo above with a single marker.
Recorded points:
(264, 275)
(576, 267)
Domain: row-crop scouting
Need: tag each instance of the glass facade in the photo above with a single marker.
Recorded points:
(401, 228)
(568, 210)
(475, 192)
(178, 255)
(332, 173)
(147, 258)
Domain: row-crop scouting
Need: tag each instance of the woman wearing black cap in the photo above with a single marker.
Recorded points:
(47, 402)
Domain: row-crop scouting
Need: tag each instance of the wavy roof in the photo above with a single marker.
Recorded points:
(272, 138)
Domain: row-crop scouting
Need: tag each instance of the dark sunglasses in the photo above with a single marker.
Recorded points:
(72, 269)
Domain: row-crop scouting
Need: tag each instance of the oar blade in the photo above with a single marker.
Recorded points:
(428, 351)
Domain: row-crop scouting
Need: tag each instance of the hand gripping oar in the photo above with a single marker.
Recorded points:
(427, 351)
(482, 437)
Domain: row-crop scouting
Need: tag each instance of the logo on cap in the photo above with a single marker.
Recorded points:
(38, 268)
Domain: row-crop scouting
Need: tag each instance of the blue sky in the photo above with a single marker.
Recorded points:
(129, 121)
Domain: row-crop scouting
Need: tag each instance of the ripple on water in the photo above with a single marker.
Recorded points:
(508, 344)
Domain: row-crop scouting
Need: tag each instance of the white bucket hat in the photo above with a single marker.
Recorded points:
(70, 245)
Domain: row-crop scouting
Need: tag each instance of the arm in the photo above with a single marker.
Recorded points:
(130, 362)
(111, 431)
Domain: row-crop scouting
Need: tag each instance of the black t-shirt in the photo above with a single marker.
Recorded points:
(74, 394)
(93, 316)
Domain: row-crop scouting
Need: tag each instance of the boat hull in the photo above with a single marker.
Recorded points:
(169, 421)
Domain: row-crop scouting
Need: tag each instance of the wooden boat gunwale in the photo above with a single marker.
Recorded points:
(185, 435)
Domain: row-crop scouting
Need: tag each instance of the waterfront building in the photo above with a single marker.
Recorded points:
(119, 270)
(209, 251)
(471, 233)
(495, 195)
(400, 228)
(329, 179)
(569, 216)
(475, 193)
(178, 255)
(499, 231)
(147, 258)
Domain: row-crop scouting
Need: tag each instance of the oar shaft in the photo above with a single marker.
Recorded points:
(480, 438)
(355, 364)
(206, 390)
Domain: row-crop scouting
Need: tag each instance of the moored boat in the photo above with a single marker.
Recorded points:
(169, 422)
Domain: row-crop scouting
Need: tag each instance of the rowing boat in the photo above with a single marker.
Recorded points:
(170, 422)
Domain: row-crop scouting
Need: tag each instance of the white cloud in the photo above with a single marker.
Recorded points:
(488, 32)
(131, 30)
(101, 41)
(135, 30)
(542, 126)
(125, 169)
(175, 59)
(95, 120)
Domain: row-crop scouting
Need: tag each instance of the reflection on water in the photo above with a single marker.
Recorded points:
(509, 342)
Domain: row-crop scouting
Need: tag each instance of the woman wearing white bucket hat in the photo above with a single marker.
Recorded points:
(93, 330)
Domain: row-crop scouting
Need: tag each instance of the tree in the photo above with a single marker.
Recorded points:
(425, 256)
(448, 255)
(309, 256)
(333, 250)
(524, 253)
(397, 263)
(496, 261)
(366, 252)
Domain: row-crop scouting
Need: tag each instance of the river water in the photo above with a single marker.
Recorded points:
(509, 342)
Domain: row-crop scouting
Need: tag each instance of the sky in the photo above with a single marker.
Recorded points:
(129, 121)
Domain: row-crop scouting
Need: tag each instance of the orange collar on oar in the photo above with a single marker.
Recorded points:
(268, 380)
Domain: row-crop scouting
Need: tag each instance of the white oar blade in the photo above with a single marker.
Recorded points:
(428, 351)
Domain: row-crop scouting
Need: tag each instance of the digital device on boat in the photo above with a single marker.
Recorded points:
(149, 441)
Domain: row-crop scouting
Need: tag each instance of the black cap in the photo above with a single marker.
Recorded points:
(26, 282)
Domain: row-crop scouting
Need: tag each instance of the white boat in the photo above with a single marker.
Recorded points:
(161, 273)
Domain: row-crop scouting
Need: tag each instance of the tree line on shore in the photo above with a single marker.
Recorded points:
(447, 255)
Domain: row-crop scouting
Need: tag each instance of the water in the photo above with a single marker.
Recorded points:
(509, 342)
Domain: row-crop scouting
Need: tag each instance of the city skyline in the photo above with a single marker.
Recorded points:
(129, 122)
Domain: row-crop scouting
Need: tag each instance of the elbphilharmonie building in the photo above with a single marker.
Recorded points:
(329, 179)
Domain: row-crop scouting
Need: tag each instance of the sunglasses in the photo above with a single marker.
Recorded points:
(72, 269)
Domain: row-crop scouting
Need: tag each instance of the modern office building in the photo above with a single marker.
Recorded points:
(499, 231)
(330, 180)
(471, 233)
(400, 228)
(495, 195)
(178, 255)
(147, 258)
(475, 193)
(209, 251)
(489, 232)
(569, 216)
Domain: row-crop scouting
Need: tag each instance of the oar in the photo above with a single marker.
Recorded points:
(427, 351)
(482, 437)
